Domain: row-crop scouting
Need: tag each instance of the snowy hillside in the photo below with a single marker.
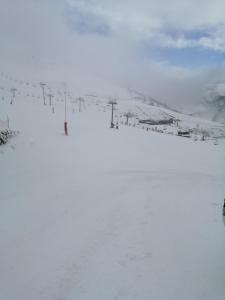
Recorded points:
(100, 92)
(105, 213)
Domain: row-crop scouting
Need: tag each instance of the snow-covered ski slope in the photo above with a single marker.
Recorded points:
(28, 88)
(105, 213)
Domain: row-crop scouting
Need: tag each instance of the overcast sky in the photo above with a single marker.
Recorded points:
(171, 50)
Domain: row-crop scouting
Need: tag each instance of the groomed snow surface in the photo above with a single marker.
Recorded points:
(107, 214)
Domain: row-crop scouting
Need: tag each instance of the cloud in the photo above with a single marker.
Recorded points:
(167, 49)
(158, 20)
(85, 22)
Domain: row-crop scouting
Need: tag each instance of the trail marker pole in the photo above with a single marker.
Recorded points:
(81, 100)
(65, 123)
(51, 102)
(42, 84)
(128, 115)
(13, 90)
(50, 99)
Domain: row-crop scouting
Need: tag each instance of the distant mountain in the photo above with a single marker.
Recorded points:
(27, 75)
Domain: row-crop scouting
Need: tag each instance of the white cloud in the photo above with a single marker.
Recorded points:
(146, 19)
(216, 41)
(39, 28)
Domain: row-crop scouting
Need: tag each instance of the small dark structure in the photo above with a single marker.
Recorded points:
(5, 134)
(3, 137)
(157, 122)
(13, 91)
(128, 115)
(224, 212)
(184, 133)
(43, 85)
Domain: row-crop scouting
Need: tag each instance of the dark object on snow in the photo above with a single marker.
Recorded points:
(3, 139)
(184, 133)
(203, 138)
(5, 134)
(224, 212)
(157, 122)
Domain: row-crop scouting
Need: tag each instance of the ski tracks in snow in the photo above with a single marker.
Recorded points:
(116, 244)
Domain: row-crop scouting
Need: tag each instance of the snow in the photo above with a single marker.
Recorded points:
(106, 213)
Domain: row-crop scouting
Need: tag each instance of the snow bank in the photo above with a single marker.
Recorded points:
(107, 214)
